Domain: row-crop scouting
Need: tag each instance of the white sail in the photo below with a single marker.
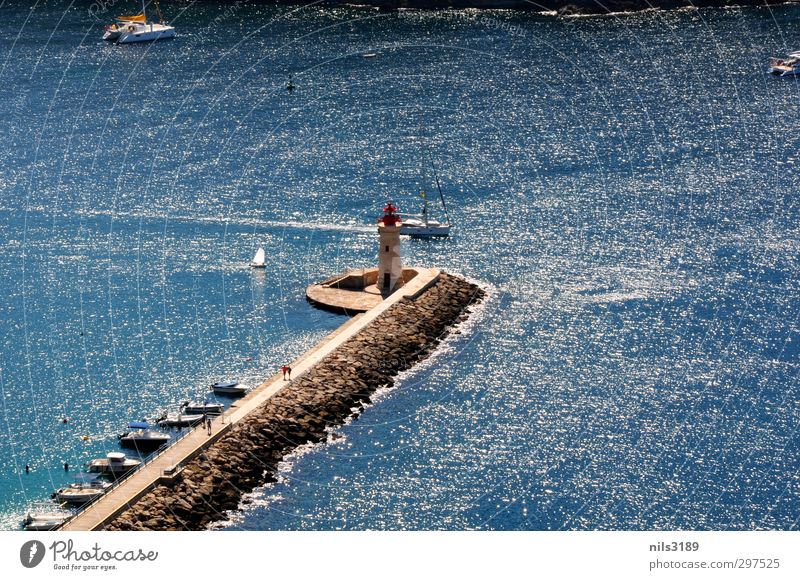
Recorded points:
(259, 258)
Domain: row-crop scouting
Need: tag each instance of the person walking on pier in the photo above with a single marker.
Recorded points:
(208, 424)
(285, 369)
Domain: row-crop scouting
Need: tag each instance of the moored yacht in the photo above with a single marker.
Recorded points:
(81, 493)
(114, 463)
(142, 438)
(179, 419)
(127, 29)
(229, 388)
(204, 408)
(44, 517)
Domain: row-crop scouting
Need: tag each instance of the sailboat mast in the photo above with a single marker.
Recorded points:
(158, 11)
(439, 187)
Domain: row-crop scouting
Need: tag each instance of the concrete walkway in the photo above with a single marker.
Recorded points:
(168, 463)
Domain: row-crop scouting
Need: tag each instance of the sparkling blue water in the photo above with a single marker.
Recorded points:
(624, 187)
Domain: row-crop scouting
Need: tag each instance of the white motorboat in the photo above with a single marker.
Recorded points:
(81, 493)
(259, 260)
(127, 29)
(179, 419)
(204, 408)
(784, 67)
(44, 518)
(44, 522)
(142, 438)
(229, 388)
(114, 463)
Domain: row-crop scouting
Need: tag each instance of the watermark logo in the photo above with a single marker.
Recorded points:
(31, 553)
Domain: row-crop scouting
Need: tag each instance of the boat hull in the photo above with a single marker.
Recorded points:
(230, 391)
(143, 443)
(180, 420)
(145, 34)
(784, 72)
(111, 468)
(425, 231)
(44, 523)
(79, 497)
(231, 388)
(211, 409)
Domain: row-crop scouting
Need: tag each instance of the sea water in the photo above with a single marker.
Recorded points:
(624, 187)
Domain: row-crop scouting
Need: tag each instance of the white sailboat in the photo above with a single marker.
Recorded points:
(136, 28)
(259, 260)
(421, 225)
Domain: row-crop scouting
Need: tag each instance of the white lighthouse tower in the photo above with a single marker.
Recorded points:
(390, 265)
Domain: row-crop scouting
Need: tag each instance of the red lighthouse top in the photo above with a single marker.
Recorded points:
(390, 217)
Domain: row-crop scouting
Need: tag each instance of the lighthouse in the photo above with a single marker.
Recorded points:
(390, 265)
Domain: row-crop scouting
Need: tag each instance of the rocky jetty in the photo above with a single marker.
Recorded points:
(336, 388)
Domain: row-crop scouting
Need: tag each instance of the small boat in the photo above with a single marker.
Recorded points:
(259, 259)
(369, 55)
(114, 463)
(44, 517)
(784, 67)
(179, 419)
(143, 438)
(204, 408)
(81, 493)
(229, 388)
(127, 29)
(44, 522)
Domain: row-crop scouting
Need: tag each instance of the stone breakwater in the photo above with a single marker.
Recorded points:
(334, 389)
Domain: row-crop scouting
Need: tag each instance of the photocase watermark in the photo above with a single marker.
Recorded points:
(67, 557)
(101, 6)
(20, 107)
(492, 23)
(31, 553)
(229, 12)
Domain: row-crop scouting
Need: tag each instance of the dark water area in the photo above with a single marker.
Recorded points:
(624, 187)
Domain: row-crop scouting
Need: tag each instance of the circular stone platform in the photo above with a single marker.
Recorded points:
(352, 292)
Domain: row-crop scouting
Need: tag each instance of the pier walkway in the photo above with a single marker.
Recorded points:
(169, 462)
